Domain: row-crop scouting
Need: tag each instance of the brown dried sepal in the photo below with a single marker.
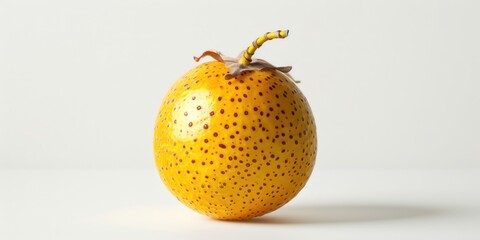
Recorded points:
(236, 68)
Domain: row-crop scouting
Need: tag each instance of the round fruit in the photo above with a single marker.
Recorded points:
(235, 138)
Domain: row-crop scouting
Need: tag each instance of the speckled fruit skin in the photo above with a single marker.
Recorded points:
(234, 149)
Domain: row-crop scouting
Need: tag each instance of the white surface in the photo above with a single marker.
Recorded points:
(336, 204)
(391, 83)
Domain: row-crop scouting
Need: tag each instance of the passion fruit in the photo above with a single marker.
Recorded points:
(235, 138)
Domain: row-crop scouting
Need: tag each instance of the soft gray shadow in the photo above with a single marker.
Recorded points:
(325, 214)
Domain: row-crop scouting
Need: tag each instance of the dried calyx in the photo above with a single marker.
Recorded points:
(245, 62)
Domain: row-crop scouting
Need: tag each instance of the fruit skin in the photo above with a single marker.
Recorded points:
(234, 149)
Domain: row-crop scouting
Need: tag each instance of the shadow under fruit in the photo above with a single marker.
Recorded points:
(235, 138)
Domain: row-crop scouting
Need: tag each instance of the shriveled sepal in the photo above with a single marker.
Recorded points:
(236, 68)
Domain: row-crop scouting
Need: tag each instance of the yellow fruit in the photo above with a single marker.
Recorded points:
(234, 149)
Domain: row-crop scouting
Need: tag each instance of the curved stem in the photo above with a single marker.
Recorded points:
(247, 54)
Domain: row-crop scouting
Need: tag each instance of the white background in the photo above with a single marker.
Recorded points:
(391, 83)
(394, 87)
